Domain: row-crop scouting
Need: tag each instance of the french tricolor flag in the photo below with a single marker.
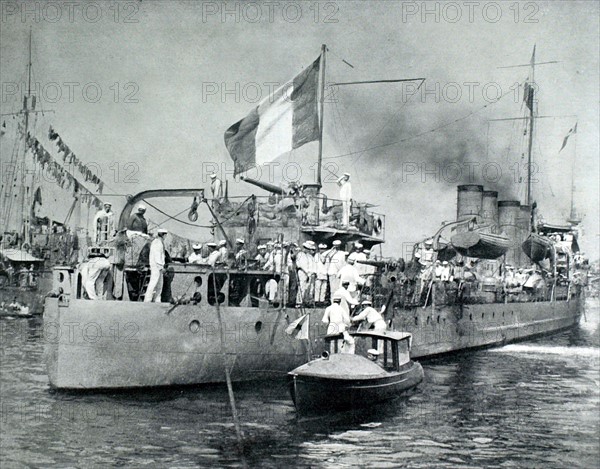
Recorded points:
(280, 123)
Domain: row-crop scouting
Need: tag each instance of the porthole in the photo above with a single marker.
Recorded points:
(470, 316)
(61, 277)
(258, 326)
(194, 326)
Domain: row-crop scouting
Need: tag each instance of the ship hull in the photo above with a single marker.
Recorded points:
(103, 345)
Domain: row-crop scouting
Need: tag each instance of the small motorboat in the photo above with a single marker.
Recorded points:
(379, 370)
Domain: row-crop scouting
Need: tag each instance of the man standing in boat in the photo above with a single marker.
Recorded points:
(345, 197)
(337, 320)
(346, 299)
(336, 259)
(157, 267)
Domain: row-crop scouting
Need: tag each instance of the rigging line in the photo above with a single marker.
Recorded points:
(173, 218)
(447, 124)
(176, 215)
(346, 62)
(368, 82)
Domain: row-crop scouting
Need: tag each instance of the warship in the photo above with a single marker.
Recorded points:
(41, 202)
(218, 320)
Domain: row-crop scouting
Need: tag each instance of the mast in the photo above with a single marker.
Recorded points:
(573, 218)
(24, 218)
(321, 107)
(530, 102)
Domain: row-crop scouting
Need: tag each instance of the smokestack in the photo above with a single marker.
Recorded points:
(509, 212)
(489, 208)
(469, 200)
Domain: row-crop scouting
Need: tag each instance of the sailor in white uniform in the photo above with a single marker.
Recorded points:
(157, 267)
(338, 320)
(345, 197)
(336, 259)
(372, 316)
(196, 256)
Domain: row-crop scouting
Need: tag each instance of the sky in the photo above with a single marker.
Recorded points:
(146, 89)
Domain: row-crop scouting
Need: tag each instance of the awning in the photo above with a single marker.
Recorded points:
(550, 227)
(17, 255)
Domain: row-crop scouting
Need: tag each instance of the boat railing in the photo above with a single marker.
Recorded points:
(300, 210)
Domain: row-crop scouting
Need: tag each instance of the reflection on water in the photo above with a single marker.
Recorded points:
(533, 404)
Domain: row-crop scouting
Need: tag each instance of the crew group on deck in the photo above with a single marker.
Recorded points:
(310, 273)
(458, 279)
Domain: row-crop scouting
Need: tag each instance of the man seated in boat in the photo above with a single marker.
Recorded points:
(373, 354)
(372, 316)
(338, 319)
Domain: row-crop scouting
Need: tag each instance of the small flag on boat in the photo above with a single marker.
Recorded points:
(282, 122)
(572, 130)
(299, 328)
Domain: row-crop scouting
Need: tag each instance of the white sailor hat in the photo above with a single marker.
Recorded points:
(366, 302)
(195, 247)
(307, 245)
(261, 246)
(222, 243)
(270, 243)
(141, 207)
(162, 231)
(351, 259)
(429, 242)
(213, 176)
(211, 245)
(322, 246)
(336, 296)
(445, 263)
(374, 352)
(337, 242)
(239, 241)
(107, 203)
(358, 245)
